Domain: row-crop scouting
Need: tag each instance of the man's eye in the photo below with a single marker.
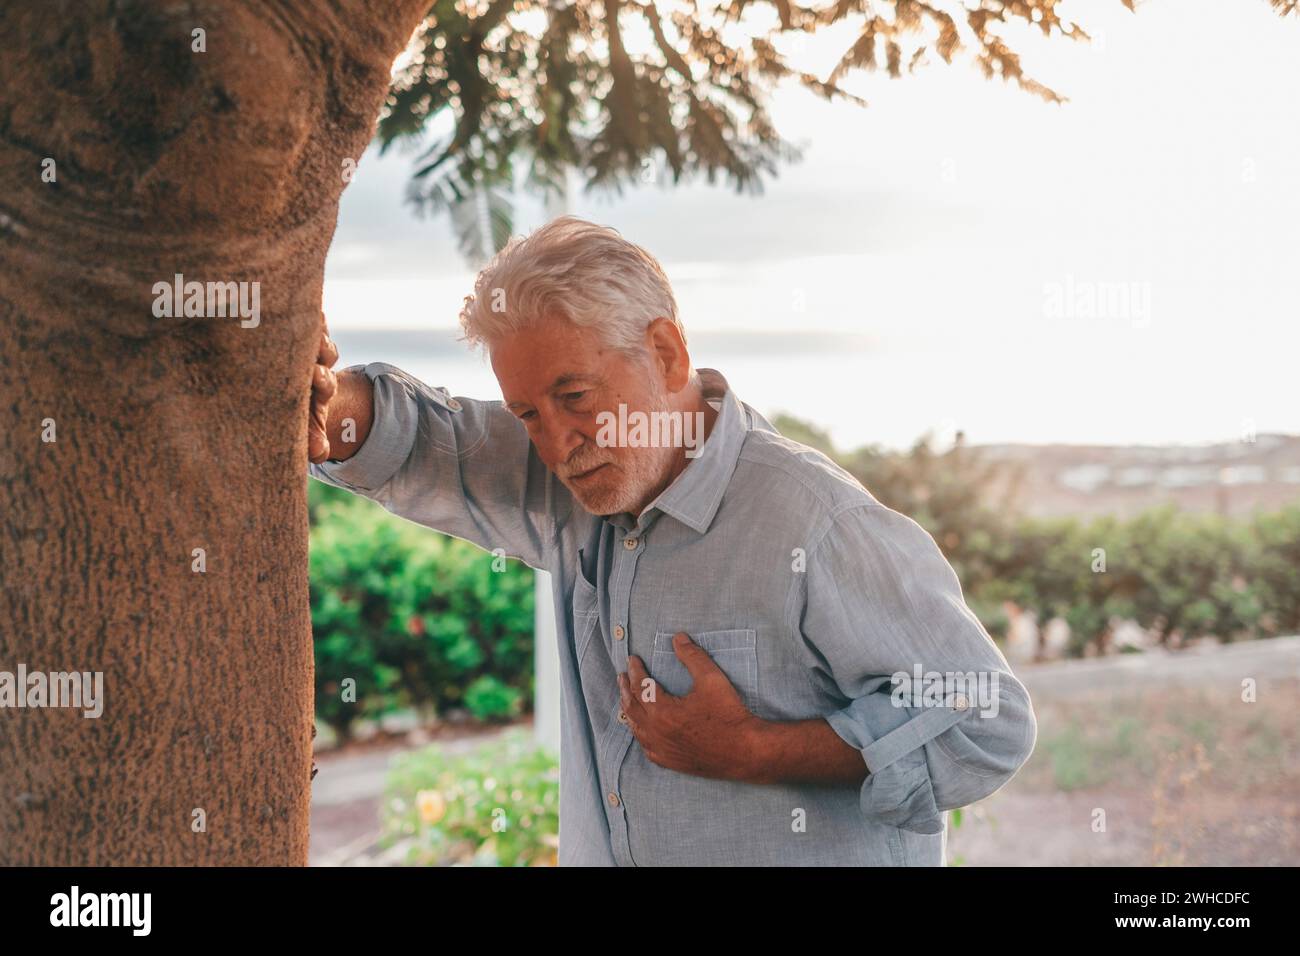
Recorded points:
(573, 396)
(526, 416)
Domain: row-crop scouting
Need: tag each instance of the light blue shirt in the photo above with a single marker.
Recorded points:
(807, 592)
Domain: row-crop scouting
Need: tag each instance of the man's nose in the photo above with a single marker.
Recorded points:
(559, 439)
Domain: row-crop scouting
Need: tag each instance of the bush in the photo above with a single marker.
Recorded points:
(417, 619)
(497, 805)
(1167, 570)
(489, 699)
(1276, 570)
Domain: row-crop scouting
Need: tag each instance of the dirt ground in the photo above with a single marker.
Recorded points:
(1166, 776)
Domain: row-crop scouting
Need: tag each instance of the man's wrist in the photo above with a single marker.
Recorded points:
(801, 751)
(762, 744)
(351, 413)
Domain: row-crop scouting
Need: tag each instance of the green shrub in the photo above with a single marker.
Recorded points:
(417, 619)
(1276, 570)
(489, 699)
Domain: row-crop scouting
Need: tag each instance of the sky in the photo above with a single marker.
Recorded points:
(958, 255)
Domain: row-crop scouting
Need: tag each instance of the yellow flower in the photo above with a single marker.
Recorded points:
(431, 805)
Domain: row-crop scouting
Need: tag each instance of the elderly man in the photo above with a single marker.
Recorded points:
(761, 664)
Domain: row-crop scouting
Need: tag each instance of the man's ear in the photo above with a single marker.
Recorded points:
(668, 349)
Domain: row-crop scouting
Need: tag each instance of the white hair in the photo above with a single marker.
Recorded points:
(576, 270)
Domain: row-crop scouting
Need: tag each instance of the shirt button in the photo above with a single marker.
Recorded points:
(453, 404)
(960, 702)
(613, 799)
(622, 717)
(629, 544)
(619, 633)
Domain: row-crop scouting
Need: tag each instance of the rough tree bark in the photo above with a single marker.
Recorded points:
(171, 434)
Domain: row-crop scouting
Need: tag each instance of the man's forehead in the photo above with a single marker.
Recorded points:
(539, 360)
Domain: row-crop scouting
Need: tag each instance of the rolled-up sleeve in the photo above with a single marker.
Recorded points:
(462, 466)
(931, 702)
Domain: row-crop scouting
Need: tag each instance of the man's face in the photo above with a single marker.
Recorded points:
(556, 378)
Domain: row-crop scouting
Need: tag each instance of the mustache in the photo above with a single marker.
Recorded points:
(582, 461)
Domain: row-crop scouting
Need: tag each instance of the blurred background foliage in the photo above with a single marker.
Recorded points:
(423, 622)
(1177, 574)
(498, 94)
(497, 805)
(420, 621)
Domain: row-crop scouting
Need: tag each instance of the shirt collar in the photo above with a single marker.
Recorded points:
(695, 495)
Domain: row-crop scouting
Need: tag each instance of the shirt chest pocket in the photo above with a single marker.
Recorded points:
(735, 652)
(586, 614)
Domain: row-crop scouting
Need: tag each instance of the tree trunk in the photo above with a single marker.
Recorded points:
(170, 434)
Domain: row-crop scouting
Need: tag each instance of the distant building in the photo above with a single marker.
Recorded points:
(1260, 472)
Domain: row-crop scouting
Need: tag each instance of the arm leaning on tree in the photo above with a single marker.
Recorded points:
(342, 406)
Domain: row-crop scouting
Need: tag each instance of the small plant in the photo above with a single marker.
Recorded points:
(498, 805)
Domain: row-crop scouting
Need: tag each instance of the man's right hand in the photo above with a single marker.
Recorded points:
(324, 384)
(342, 406)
